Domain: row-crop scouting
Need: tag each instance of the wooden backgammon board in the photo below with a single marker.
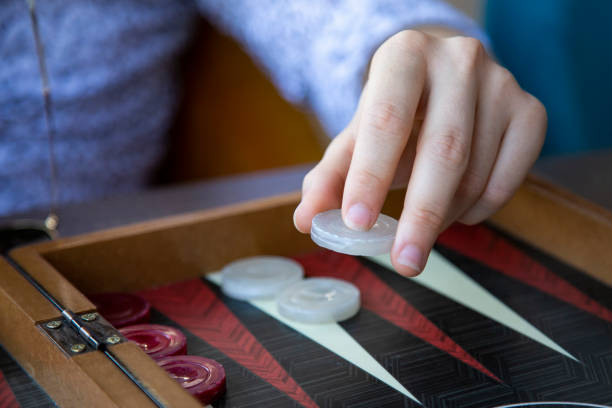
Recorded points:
(514, 312)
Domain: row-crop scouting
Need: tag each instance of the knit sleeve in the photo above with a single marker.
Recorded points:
(316, 51)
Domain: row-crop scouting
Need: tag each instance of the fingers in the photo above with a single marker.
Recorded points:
(442, 157)
(395, 85)
(519, 150)
(479, 135)
(491, 121)
(322, 186)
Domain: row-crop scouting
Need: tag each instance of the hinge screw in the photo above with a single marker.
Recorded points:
(77, 348)
(54, 324)
(114, 339)
(89, 317)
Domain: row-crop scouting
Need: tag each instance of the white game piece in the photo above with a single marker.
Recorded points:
(329, 231)
(259, 277)
(319, 300)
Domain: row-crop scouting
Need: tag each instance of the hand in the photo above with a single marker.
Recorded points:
(439, 116)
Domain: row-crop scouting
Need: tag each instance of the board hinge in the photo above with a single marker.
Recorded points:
(71, 343)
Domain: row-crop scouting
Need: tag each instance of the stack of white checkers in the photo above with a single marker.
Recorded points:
(312, 300)
(329, 231)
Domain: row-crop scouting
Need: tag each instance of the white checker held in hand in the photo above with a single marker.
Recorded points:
(329, 231)
(259, 277)
(319, 300)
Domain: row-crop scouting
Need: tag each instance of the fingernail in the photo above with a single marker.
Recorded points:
(411, 256)
(358, 217)
(294, 214)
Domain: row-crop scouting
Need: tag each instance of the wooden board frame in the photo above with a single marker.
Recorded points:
(154, 253)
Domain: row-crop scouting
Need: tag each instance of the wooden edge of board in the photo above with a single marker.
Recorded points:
(52, 280)
(560, 223)
(166, 222)
(556, 221)
(89, 379)
(57, 374)
(154, 253)
(15, 288)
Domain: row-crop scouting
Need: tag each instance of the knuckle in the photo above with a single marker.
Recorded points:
(308, 180)
(387, 118)
(469, 53)
(505, 80)
(412, 39)
(471, 47)
(503, 87)
(536, 109)
(368, 179)
(451, 149)
(407, 45)
(429, 218)
(535, 117)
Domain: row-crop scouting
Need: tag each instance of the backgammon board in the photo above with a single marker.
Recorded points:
(492, 321)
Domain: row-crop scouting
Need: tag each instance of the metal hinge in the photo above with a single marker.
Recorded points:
(68, 340)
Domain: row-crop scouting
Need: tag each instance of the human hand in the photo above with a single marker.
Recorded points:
(441, 117)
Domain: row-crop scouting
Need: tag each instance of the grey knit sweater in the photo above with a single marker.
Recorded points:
(111, 65)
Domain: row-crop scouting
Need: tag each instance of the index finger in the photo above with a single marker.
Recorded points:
(394, 89)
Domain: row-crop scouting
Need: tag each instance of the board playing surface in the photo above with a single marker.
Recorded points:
(491, 322)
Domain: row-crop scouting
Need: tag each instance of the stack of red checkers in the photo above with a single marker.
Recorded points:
(122, 309)
(201, 377)
(156, 340)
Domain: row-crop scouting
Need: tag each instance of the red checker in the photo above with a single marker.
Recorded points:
(122, 309)
(201, 377)
(156, 340)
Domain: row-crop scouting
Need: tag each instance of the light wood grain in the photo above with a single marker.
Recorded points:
(568, 227)
(60, 376)
(177, 248)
